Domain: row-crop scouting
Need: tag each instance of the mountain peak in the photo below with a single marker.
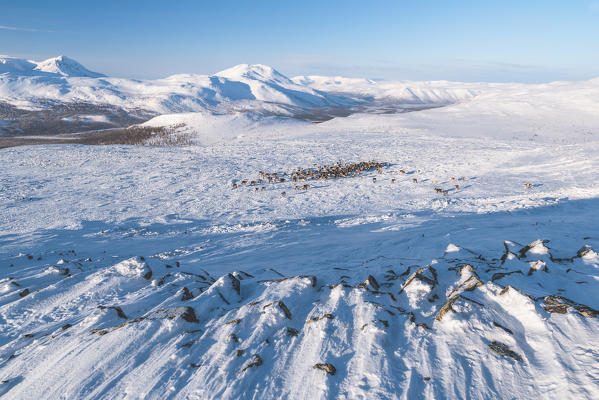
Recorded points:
(15, 65)
(259, 72)
(66, 66)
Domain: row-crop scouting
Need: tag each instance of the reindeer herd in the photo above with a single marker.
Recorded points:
(339, 170)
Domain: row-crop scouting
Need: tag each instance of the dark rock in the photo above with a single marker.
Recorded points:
(163, 279)
(234, 283)
(371, 281)
(285, 310)
(186, 294)
(560, 304)
(291, 332)
(503, 350)
(385, 323)
(503, 327)
(186, 313)
(119, 310)
(325, 316)
(255, 362)
(24, 293)
(499, 275)
(328, 368)
(584, 250)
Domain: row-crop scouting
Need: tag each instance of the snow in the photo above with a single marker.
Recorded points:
(207, 128)
(60, 65)
(254, 88)
(15, 65)
(88, 118)
(451, 248)
(141, 272)
(66, 66)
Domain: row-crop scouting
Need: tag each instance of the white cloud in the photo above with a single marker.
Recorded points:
(16, 28)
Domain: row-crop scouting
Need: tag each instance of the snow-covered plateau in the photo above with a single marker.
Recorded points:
(445, 252)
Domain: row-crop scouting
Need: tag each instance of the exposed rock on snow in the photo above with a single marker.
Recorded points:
(328, 368)
(503, 350)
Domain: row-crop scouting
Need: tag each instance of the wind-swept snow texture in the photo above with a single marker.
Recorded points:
(466, 266)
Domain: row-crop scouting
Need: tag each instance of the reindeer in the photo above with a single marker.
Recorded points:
(306, 187)
(414, 180)
(283, 194)
(393, 180)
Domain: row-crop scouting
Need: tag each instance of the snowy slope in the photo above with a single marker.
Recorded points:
(66, 66)
(564, 112)
(434, 92)
(15, 65)
(147, 275)
(206, 128)
(60, 65)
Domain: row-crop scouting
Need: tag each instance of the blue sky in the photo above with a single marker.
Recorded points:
(484, 40)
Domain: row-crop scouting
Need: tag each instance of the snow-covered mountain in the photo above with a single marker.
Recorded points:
(66, 66)
(60, 95)
(29, 85)
(61, 65)
(34, 82)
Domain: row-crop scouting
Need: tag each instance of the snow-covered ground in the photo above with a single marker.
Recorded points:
(141, 272)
